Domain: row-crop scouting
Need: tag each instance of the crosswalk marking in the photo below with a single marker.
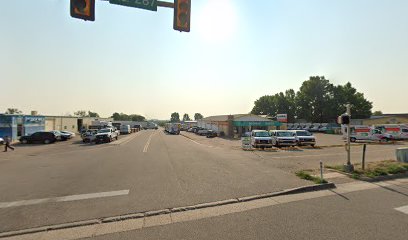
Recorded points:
(403, 209)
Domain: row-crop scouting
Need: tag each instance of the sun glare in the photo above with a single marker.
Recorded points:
(217, 21)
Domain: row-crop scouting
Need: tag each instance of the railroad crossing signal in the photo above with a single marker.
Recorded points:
(83, 9)
(182, 12)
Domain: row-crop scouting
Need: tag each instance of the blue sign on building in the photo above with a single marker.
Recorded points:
(16, 126)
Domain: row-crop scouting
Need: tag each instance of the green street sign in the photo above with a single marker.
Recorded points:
(144, 4)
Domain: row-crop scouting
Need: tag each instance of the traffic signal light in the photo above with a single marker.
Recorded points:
(343, 119)
(83, 9)
(182, 10)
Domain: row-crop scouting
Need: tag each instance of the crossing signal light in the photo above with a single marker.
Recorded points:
(182, 12)
(83, 9)
(343, 119)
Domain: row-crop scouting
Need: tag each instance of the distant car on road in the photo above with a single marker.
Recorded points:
(39, 137)
(125, 129)
(1, 141)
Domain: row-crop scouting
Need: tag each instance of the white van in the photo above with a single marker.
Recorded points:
(283, 138)
(304, 138)
(261, 139)
(125, 129)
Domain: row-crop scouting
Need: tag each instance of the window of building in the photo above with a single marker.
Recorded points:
(73, 126)
(65, 127)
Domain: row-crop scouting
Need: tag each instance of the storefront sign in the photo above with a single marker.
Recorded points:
(253, 123)
(34, 120)
(282, 118)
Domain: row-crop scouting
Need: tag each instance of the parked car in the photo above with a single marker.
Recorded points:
(39, 137)
(281, 138)
(61, 136)
(211, 134)
(202, 132)
(69, 133)
(1, 141)
(89, 136)
(261, 139)
(304, 138)
(106, 135)
(125, 129)
(315, 127)
(198, 129)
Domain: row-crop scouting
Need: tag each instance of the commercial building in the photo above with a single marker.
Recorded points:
(16, 125)
(386, 119)
(237, 124)
(69, 123)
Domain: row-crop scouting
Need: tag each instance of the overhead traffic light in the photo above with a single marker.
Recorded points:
(182, 10)
(83, 9)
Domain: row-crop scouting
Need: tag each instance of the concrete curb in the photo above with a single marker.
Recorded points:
(376, 179)
(311, 188)
(50, 228)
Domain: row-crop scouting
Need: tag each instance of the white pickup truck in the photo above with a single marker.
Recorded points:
(106, 135)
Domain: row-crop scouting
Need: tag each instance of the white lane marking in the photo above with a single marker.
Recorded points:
(403, 209)
(63, 199)
(146, 147)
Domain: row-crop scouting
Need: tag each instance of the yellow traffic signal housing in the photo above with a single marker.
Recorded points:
(83, 9)
(182, 12)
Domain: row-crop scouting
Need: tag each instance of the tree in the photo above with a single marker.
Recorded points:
(314, 98)
(81, 113)
(93, 114)
(13, 111)
(137, 118)
(175, 117)
(186, 117)
(124, 117)
(276, 104)
(377, 113)
(198, 116)
(360, 107)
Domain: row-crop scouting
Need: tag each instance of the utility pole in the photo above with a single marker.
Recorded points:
(348, 167)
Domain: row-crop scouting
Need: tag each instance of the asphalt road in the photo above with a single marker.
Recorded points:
(68, 181)
(366, 214)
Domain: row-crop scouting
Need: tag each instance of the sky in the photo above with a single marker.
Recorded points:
(132, 61)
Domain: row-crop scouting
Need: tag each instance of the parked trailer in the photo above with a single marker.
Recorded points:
(172, 128)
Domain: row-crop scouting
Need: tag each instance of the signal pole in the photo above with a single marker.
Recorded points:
(348, 167)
